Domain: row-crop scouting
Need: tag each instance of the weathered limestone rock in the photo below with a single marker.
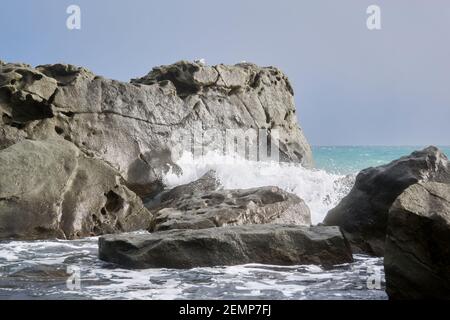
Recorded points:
(206, 183)
(50, 189)
(131, 125)
(203, 204)
(363, 213)
(268, 244)
(417, 255)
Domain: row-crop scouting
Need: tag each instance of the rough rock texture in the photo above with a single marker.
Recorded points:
(200, 204)
(131, 125)
(417, 256)
(50, 189)
(206, 183)
(363, 213)
(269, 244)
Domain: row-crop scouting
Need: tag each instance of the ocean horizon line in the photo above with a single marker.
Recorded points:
(381, 145)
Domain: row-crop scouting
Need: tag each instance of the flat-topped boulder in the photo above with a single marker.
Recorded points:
(417, 254)
(234, 245)
(363, 213)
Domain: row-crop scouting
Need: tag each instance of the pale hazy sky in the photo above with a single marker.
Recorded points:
(352, 86)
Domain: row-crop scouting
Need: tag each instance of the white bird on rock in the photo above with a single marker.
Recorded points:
(200, 61)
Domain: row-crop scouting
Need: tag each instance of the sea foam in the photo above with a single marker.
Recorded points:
(321, 190)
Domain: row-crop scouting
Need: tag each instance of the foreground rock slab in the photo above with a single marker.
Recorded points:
(50, 189)
(200, 204)
(363, 213)
(266, 244)
(417, 255)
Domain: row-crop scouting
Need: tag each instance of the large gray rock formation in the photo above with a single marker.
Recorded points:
(417, 255)
(131, 126)
(269, 244)
(200, 204)
(363, 213)
(49, 189)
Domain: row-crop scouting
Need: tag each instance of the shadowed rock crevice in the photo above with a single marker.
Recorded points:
(114, 202)
(25, 93)
(64, 74)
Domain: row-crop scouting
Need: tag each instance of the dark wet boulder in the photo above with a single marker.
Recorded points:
(417, 253)
(363, 213)
(267, 244)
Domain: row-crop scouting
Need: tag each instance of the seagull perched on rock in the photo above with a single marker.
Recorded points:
(200, 61)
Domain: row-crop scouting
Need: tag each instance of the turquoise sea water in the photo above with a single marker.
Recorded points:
(352, 159)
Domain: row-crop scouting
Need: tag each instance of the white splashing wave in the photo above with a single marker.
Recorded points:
(319, 189)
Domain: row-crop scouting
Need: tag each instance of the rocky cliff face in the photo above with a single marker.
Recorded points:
(82, 125)
(136, 127)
